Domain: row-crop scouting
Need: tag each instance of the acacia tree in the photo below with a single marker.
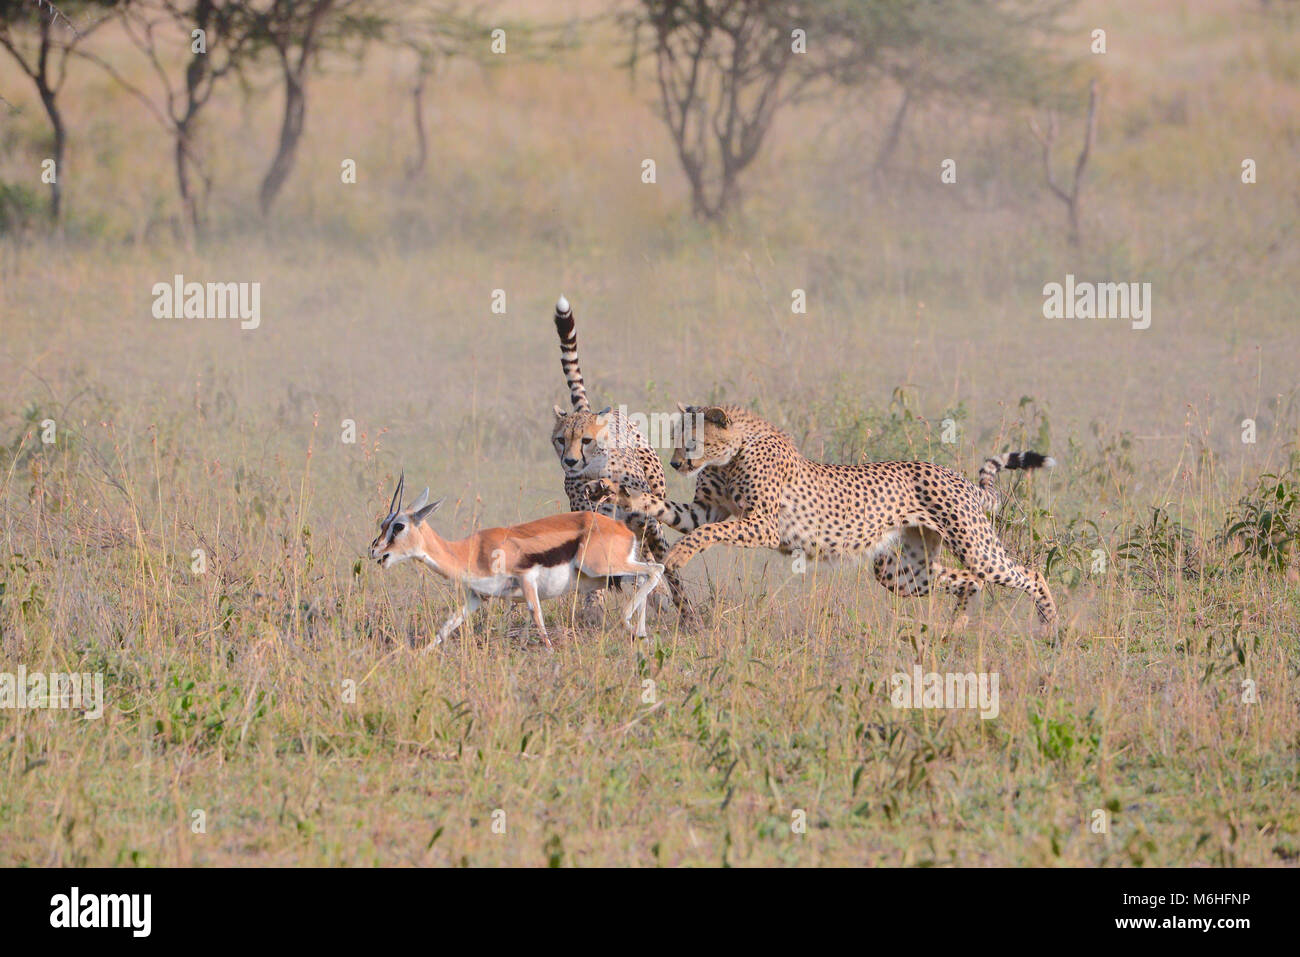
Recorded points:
(297, 33)
(217, 37)
(1070, 197)
(722, 68)
(961, 52)
(726, 67)
(433, 34)
(41, 39)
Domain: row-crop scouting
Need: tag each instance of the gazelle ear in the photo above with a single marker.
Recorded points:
(682, 409)
(419, 502)
(559, 413)
(422, 513)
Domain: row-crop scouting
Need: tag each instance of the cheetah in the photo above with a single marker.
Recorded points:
(755, 490)
(605, 444)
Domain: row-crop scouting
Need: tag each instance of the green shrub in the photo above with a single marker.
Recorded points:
(1266, 521)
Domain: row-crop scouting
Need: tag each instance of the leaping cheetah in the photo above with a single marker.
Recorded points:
(754, 489)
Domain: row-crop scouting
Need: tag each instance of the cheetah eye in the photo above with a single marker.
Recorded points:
(587, 440)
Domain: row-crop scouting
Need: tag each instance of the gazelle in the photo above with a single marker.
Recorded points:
(546, 558)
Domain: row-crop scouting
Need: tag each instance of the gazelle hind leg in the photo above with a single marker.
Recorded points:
(648, 576)
(528, 585)
(657, 545)
(609, 567)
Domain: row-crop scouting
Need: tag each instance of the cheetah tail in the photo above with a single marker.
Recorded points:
(568, 334)
(1008, 460)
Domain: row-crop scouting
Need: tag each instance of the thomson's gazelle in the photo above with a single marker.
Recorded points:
(575, 551)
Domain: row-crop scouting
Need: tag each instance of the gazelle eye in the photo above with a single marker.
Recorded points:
(397, 528)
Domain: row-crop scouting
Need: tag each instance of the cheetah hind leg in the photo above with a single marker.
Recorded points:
(996, 566)
(912, 572)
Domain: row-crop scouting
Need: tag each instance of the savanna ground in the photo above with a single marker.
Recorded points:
(226, 689)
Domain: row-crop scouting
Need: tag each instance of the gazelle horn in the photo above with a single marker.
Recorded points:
(396, 506)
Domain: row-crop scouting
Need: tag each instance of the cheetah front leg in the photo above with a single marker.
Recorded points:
(753, 531)
(639, 501)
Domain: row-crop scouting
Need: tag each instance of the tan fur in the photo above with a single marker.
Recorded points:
(531, 562)
(754, 489)
(602, 545)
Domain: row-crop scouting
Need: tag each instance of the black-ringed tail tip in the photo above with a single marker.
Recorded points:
(1029, 460)
(1017, 460)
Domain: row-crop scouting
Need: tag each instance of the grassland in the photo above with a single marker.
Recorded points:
(228, 690)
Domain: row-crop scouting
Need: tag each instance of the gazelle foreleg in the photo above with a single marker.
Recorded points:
(472, 603)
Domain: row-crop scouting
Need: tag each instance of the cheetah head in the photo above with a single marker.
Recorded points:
(581, 440)
(706, 437)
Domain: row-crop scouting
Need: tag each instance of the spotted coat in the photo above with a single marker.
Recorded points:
(754, 489)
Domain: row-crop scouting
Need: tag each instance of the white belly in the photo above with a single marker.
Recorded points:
(498, 586)
(553, 582)
(550, 583)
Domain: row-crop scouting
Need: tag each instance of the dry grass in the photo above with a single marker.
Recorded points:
(226, 690)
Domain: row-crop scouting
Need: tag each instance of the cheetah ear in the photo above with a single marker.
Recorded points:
(718, 416)
(559, 413)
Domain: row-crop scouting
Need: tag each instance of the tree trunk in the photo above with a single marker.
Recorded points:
(295, 108)
(895, 132)
(188, 200)
(416, 167)
(48, 99)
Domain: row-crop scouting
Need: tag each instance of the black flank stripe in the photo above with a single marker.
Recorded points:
(553, 557)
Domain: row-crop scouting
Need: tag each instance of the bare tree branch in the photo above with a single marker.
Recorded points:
(1047, 139)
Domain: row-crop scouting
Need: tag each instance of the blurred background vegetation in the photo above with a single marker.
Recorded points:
(796, 146)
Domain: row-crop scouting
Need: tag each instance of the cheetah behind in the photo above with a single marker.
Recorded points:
(605, 444)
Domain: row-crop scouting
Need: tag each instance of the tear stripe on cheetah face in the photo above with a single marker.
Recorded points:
(768, 495)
